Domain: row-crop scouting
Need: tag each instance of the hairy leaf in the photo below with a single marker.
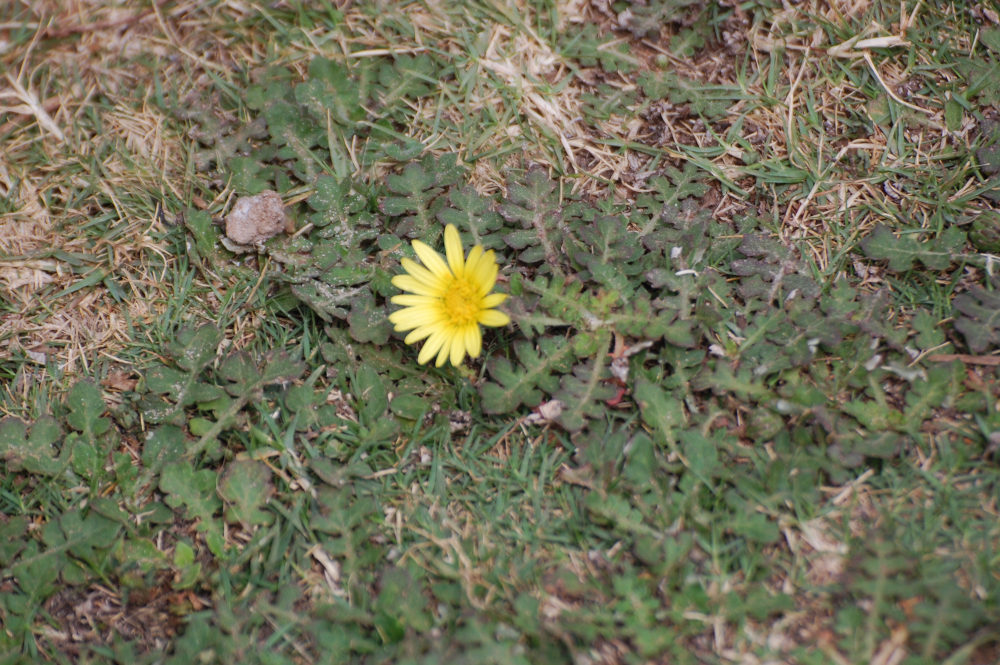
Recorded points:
(979, 318)
(193, 489)
(534, 205)
(85, 406)
(246, 486)
(473, 214)
(902, 252)
(592, 49)
(583, 391)
(31, 450)
(417, 195)
(526, 381)
(710, 101)
(647, 18)
(662, 413)
(330, 91)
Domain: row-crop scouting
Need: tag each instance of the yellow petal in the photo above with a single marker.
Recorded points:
(475, 261)
(415, 300)
(486, 273)
(444, 352)
(421, 274)
(488, 302)
(475, 256)
(408, 318)
(453, 249)
(457, 348)
(493, 318)
(431, 259)
(409, 283)
(432, 346)
(419, 334)
(473, 340)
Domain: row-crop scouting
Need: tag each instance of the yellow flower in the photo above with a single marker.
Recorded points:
(447, 302)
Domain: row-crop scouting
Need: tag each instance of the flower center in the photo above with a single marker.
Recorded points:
(461, 303)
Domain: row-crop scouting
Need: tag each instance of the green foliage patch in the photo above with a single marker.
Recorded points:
(647, 454)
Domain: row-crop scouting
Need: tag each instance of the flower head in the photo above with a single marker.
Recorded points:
(448, 301)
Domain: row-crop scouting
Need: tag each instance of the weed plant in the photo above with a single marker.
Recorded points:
(746, 408)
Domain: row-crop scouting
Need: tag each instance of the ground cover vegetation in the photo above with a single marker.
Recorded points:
(745, 410)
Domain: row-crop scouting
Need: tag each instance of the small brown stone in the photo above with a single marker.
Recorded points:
(254, 219)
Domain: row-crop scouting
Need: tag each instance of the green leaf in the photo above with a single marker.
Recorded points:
(203, 230)
(535, 374)
(686, 42)
(902, 252)
(36, 570)
(327, 301)
(660, 411)
(404, 149)
(988, 154)
(720, 378)
(688, 182)
(648, 18)
(535, 206)
(873, 415)
(401, 598)
(192, 490)
(13, 538)
(370, 394)
(409, 406)
(289, 126)
(345, 210)
(368, 321)
(247, 175)
(710, 101)
(85, 406)
(418, 197)
(592, 48)
(330, 92)
(193, 350)
(701, 454)
(944, 381)
(88, 458)
(34, 451)
(348, 518)
(583, 392)
(611, 254)
(141, 553)
(247, 377)
(406, 77)
(758, 528)
(184, 560)
(245, 487)
(990, 37)
(953, 114)
(473, 215)
(616, 511)
(608, 101)
(241, 372)
(978, 318)
(985, 232)
(88, 537)
(164, 444)
(259, 96)
(641, 464)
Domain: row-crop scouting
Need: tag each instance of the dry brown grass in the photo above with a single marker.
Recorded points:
(62, 167)
(83, 140)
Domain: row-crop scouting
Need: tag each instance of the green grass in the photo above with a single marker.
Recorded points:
(746, 410)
